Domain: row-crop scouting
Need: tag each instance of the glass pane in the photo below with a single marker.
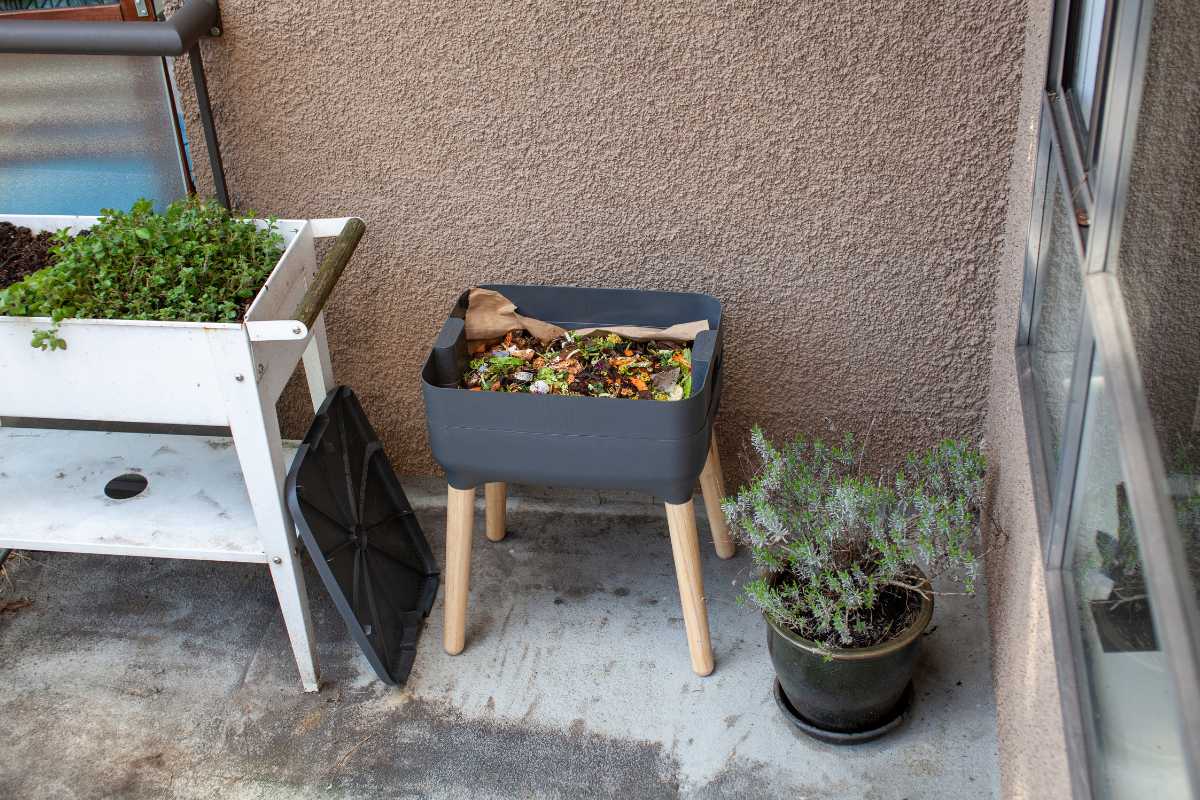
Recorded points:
(81, 133)
(1158, 264)
(1086, 30)
(1057, 309)
(1137, 747)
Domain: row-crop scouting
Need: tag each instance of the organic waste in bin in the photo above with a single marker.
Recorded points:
(596, 365)
(362, 535)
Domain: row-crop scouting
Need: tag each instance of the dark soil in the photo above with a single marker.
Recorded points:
(898, 609)
(22, 252)
(895, 612)
(1124, 626)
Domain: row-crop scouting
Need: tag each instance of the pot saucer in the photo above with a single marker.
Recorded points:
(842, 737)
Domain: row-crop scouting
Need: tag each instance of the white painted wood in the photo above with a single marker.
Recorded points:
(115, 370)
(195, 506)
(330, 226)
(277, 330)
(318, 368)
(289, 280)
(255, 429)
(275, 363)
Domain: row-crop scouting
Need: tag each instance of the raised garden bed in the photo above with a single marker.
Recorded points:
(110, 366)
(162, 494)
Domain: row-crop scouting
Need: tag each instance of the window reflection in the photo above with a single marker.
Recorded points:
(1158, 264)
(1057, 308)
(1137, 749)
(1086, 43)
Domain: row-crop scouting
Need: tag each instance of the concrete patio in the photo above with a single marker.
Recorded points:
(138, 678)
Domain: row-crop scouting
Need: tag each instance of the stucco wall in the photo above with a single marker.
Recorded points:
(835, 173)
(1032, 745)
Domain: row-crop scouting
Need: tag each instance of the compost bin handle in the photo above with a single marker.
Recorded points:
(332, 265)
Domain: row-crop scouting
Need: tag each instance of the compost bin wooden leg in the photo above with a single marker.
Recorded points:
(495, 495)
(712, 487)
(318, 368)
(460, 520)
(685, 545)
(255, 429)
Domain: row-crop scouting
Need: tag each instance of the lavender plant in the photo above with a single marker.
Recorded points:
(844, 553)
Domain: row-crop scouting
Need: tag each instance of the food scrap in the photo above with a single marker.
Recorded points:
(599, 364)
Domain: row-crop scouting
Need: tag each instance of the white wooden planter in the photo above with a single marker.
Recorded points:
(215, 498)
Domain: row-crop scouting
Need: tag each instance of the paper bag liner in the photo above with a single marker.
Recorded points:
(490, 315)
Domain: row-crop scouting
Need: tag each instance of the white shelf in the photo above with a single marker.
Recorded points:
(195, 506)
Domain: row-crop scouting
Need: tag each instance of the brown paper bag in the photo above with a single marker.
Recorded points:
(490, 315)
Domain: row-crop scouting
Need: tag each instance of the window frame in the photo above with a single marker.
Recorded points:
(1095, 162)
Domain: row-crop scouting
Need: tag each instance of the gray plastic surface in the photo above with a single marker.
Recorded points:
(657, 447)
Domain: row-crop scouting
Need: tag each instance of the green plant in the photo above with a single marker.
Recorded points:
(1119, 556)
(844, 553)
(193, 262)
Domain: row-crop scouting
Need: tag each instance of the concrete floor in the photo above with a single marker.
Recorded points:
(139, 678)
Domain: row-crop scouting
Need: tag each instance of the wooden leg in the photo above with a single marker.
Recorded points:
(685, 545)
(460, 520)
(712, 486)
(494, 495)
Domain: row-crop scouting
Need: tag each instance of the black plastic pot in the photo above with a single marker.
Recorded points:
(846, 695)
(657, 447)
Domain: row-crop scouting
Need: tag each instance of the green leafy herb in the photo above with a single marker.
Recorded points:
(193, 262)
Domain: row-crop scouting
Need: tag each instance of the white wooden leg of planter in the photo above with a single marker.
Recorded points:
(318, 368)
(255, 428)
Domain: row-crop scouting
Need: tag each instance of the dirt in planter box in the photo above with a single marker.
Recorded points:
(22, 252)
(599, 364)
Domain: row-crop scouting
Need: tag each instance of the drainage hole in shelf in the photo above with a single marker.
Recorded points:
(126, 486)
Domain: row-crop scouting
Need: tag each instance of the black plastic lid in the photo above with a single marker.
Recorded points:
(362, 535)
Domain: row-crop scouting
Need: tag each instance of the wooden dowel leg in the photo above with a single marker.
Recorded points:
(685, 546)
(460, 520)
(494, 496)
(712, 487)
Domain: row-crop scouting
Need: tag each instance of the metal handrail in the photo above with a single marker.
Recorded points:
(170, 37)
(180, 33)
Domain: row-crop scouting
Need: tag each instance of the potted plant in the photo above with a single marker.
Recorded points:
(1120, 604)
(848, 563)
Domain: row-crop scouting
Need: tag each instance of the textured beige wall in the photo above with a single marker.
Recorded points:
(1032, 746)
(836, 173)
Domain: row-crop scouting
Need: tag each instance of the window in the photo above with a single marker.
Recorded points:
(1083, 63)
(1136, 746)
(1111, 388)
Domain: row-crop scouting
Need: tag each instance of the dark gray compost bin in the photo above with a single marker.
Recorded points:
(593, 442)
